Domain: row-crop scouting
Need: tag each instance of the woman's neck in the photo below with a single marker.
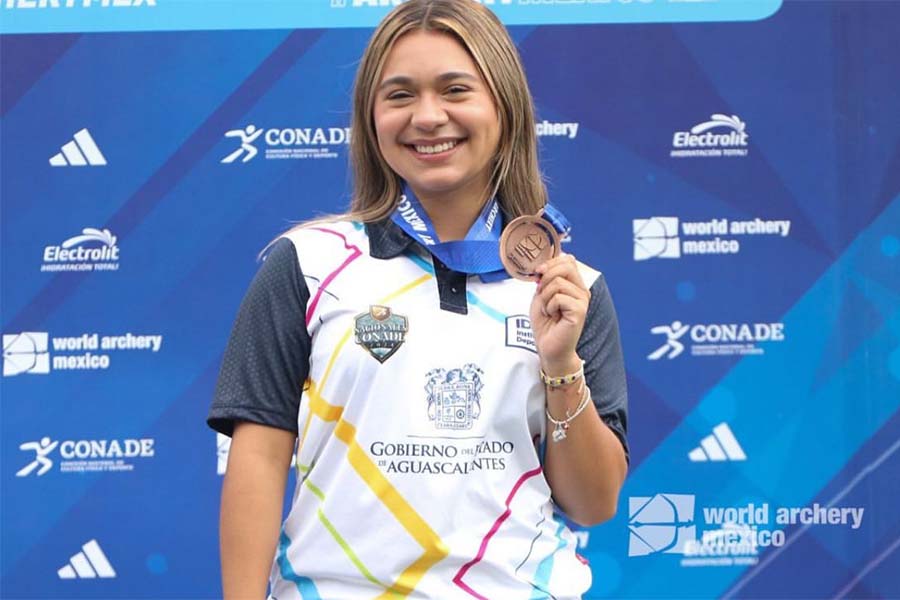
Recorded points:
(453, 214)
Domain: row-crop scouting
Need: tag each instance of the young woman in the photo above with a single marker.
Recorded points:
(418, 382)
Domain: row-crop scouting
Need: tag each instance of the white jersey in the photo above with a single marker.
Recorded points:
(419, 434)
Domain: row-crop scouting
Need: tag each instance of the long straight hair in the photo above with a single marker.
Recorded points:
(515, 177)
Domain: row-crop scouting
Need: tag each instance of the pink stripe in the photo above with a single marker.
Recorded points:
(324, 284)
(457, 579)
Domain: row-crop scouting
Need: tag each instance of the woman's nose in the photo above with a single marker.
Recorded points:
(429, 113)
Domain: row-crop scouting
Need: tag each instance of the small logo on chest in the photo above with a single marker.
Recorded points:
(380, 331)
(454, 396)
(519, 333)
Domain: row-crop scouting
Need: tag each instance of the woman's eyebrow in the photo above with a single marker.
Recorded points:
(443, 77)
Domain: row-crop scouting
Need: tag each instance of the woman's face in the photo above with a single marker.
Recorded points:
(436, 122)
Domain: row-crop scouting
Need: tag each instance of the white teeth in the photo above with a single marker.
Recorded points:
(435, 149)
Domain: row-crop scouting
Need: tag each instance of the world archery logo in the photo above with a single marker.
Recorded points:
(454, 396)
(660, 524)
(380, 331)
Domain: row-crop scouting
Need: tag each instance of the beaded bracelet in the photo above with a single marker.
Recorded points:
(559, 433)
(556, 382)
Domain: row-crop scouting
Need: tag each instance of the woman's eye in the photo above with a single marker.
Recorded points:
(398, 95)
(457, 89)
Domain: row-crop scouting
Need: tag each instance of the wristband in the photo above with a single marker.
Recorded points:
(556, 382)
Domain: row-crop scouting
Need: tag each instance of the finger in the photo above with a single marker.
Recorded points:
(563, 305)
(563, 286)
(567, 269)
(555, 261)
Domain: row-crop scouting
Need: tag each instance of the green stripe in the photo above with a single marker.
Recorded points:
(341, 541)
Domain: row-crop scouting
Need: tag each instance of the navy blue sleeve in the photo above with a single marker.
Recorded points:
(266, 361)
(604, 367)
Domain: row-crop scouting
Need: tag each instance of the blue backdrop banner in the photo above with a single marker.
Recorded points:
(732, 167)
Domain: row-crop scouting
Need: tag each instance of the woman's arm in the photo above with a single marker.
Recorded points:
(252, 501)
(586, 469)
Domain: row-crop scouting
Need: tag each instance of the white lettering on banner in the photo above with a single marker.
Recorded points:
(79, 456)
(308, 136)
(660, 237)
(725, 535)
(683, 138)
(72, 255)
(27, 352)
(284, 143)
(699, 141)
(106, 448)
(759, 332)
(77, 3)
(546, 128)
(93, 341)
(716, 339)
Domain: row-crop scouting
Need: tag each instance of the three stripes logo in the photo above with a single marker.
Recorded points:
(79, 152)
(721, 445)
(90, 563)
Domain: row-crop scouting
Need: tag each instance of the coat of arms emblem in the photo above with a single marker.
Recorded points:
(380, 331)
(454, 396)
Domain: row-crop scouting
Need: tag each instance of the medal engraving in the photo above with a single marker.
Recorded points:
(526, 243)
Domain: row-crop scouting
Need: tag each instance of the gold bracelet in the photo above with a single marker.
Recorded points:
(559, 433)
(556, 382)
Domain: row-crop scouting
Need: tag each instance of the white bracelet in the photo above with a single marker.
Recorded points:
(559, 433)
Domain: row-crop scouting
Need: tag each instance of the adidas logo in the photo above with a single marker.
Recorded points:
(720, 445)
(79, 152)
(88, 564)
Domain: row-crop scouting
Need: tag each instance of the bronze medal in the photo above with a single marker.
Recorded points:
(527, 242)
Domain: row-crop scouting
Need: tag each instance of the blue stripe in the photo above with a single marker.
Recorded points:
(545, 569)
(492, 313)
(305, 585)
(424, 264)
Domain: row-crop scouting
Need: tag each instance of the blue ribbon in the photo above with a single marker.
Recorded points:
(479, 252)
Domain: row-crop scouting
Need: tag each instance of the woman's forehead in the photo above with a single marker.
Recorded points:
(428, 53)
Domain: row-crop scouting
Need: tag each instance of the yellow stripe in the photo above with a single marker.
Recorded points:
(406, 515)
(340, 540)
(316, 401)
(412, 522)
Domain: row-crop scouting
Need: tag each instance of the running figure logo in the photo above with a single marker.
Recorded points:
(672, 347)
(41, 450)
(248, 136)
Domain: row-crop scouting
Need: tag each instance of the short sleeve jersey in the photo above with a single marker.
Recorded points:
(415, 395)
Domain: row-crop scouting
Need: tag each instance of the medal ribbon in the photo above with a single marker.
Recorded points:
(479, 252)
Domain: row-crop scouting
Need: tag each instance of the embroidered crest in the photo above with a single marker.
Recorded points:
(454, 396)
(380, 331)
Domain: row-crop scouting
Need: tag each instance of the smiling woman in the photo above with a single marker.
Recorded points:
(424, 462)
(438, 128)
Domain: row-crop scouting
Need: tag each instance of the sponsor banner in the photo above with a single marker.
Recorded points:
(71, 16)
(720, 136)
(672, 237)
(720, 445)
(80, 151)
(39, 353)
(714, 339)
(722, 536)
(92, 250)
(83, 456)
(293, 143)
(89, 563)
